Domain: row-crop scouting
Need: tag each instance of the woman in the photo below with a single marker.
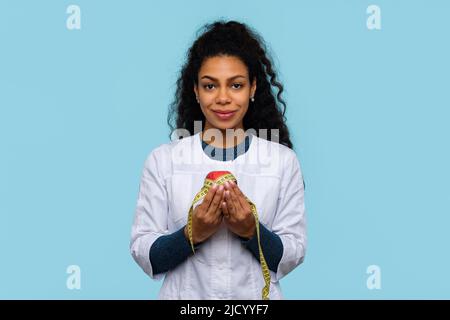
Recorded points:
(224, 90)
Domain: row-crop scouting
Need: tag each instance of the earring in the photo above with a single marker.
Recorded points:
(197, 99)
(253, 99)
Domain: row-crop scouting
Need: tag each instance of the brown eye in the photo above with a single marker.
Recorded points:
(237, 84)
(207, 86)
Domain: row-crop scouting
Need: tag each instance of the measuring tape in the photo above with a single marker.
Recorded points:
(219, 178)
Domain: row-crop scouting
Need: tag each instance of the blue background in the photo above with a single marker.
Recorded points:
(368, 111)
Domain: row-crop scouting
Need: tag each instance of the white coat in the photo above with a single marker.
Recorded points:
(269, 174)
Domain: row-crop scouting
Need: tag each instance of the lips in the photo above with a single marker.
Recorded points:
(224, 111)
(224, 114)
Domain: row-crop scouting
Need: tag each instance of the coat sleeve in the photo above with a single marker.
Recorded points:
(150, 219)
(290, 218)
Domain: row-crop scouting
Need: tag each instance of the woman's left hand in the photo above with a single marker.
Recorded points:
(237, 211)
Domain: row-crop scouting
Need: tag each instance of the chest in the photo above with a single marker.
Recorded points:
(182, 187)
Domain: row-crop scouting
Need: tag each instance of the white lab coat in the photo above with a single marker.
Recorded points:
(269, 174)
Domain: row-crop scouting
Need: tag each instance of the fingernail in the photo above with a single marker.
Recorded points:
(220, 188)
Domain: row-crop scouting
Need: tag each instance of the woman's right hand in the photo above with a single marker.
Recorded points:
(207, 216)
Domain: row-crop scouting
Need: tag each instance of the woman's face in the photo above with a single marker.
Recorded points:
(224, 91)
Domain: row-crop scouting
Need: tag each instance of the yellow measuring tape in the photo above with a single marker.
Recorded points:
(219, 178)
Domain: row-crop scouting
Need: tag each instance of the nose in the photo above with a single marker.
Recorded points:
(222, 97)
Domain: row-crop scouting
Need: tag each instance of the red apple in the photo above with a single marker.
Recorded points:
(214, 175)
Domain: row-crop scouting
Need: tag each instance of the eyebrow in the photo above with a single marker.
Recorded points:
(214, 79)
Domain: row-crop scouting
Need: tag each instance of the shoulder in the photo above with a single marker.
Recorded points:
(161, 157)
(274, 149)
(278, 159)
(165, 149)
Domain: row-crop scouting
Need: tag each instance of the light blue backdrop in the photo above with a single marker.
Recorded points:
(368, 111)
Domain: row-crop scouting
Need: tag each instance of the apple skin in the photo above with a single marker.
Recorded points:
(214, 175)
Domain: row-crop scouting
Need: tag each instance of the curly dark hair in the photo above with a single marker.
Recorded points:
(231, 38)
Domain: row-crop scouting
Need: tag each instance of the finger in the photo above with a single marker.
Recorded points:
(229, 189)
(236, 203)
(219, 218)
(230, 205)
(217, 199)
(209, 196)
(225, 212)
(218, 212)
(241, 196)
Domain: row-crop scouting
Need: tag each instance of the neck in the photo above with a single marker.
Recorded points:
(227, 139)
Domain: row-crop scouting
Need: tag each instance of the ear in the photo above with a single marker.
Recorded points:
(253, 88)
(195, 90)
